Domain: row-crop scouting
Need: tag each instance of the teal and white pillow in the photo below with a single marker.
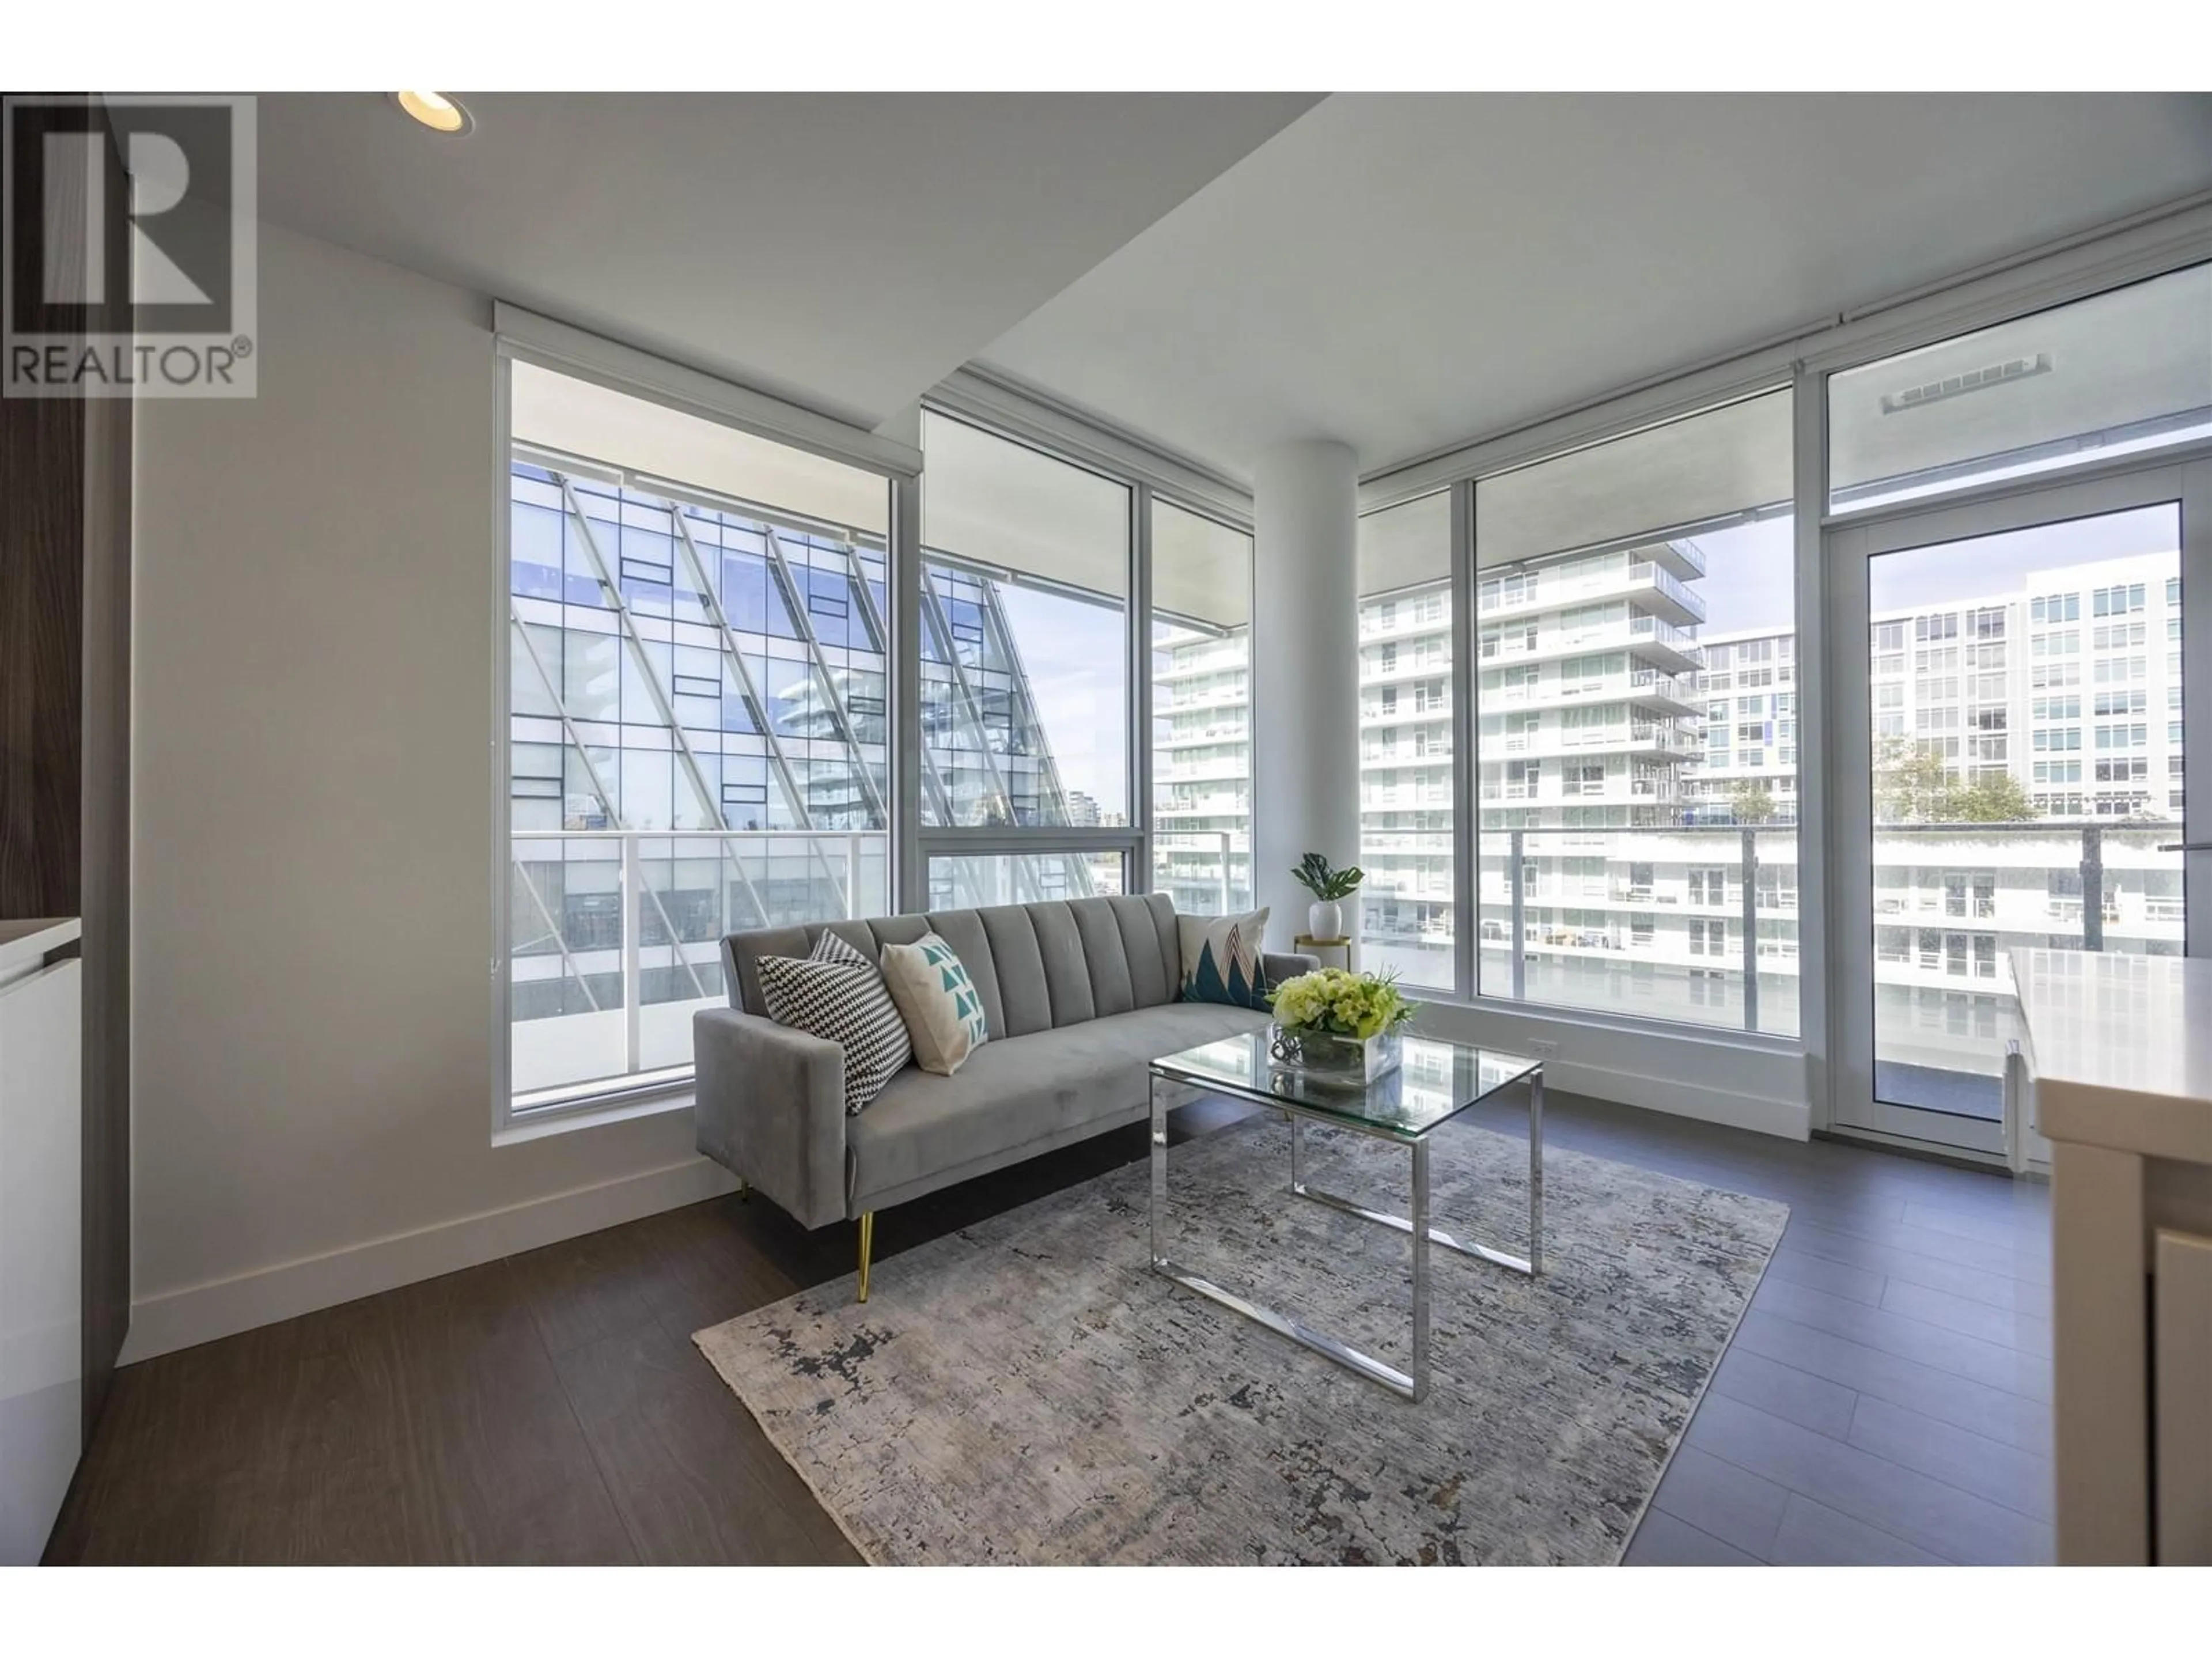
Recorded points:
(1222, 961)
(945, 1017)
(835, 991)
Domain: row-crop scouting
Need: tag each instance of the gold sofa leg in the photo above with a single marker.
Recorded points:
(868, 1245)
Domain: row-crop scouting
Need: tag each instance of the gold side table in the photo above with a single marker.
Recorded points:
(1307, 942)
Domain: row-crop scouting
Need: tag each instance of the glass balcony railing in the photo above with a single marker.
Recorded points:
(1651, 922)
(1698, 925)
(615, 938)
(1203, 869)
(1666, 585)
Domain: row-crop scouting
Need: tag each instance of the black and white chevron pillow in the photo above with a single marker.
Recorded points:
(836, 993)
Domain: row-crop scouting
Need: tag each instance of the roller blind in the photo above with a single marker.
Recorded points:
(1405, 545)
(2124, 370)
(1201, 570)
(1703, 469)
(1003, 505)
(651, 440)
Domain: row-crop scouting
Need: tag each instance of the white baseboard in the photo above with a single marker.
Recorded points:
(202, 1313)
(1685, 1072)
(1790, 1118)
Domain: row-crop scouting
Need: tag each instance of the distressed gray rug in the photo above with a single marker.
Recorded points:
(1028, 1390)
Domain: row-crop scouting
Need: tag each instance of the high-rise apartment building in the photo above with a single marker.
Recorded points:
(1406, 782)
(1201, 765)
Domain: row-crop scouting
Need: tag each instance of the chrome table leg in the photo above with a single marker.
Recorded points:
(1536, 1170)
(1421, 1232)
(1532, 1264)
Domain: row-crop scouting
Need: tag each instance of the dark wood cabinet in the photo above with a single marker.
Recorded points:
(65, 511)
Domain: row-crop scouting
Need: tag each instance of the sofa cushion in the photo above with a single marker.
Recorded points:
(837, 994)
(1023, 1088)
(1221, 960)
(944, 1011)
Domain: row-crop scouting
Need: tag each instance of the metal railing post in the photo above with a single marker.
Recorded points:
(1515, 841)
(1751, 930)
(632, 915)
(2093, 887)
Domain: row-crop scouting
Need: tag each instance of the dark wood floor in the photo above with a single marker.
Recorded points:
(1887, 1399)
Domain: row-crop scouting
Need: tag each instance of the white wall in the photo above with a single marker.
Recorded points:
(312, 908)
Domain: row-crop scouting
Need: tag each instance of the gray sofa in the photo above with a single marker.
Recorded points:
(1081, 994)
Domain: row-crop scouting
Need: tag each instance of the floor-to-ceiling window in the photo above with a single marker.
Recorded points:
(1024, 792)
(1636, 718)
(696, 707)
(1407, 907)
(1201, 641)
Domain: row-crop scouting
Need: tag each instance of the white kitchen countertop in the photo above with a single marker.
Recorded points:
(2121, 1047)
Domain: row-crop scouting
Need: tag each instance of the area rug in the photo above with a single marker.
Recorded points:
(1028, 1390)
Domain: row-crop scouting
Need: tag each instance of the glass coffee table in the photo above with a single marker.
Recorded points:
(1437, 1082)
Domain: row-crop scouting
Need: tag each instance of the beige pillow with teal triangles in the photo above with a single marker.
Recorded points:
(943, 1009)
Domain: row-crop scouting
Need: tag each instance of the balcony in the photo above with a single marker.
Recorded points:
(1214, 864)
(1939, 927)
(615, 939)
(1685, 558)
(1659, 737)
(1665, 694)
(1659, 592)
(1655, 641)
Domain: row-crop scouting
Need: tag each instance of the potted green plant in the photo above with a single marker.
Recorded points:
(1328, 885)
(1339, 1024)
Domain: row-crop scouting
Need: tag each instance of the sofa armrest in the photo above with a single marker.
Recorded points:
(1280, 965)
(771, 1108)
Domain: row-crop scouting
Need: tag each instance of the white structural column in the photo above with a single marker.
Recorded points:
(1305, 673)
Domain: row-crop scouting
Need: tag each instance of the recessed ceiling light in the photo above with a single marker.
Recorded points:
(435, 111)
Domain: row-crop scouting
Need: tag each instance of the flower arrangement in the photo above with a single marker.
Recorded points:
(1356, 1006)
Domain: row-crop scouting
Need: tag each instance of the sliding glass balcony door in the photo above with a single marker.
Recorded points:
(2015, 679)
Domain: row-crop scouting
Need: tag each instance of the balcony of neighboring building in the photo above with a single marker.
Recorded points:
(1404, 618)
(1226, 730)
(1404, 665)
(1646, 585)
(1185, 686)
(1187, 813)
(1654, 641)
(1684, 558)
(1404, 711)
(1649, 690)
(1200, 690)
(1212, 769)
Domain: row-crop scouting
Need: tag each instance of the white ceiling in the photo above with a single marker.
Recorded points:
(1406, 272)
(844, 251)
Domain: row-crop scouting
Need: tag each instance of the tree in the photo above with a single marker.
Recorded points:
(1997, 798)
(1750, 802)
(1914, 785)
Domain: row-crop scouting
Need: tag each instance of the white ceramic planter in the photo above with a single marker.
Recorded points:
(1325, 918)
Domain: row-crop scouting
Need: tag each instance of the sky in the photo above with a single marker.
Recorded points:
(1076, 657)
(1748, 568)
(1997, 566)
